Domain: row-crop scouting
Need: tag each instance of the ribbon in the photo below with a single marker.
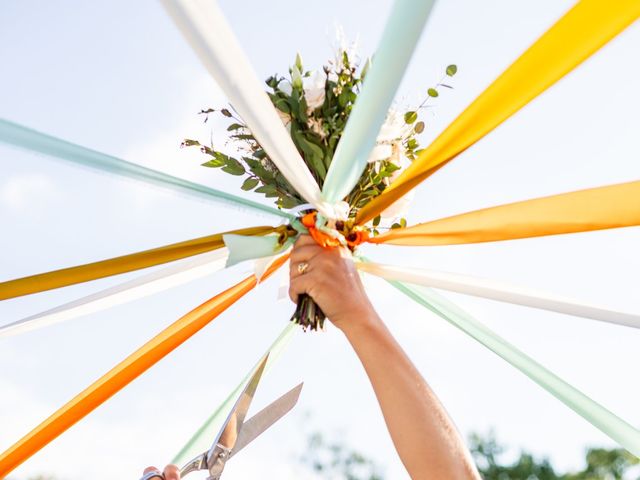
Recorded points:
(172, 276)
(23, 137)
(201, 439)
(211, 38)
(114, 266)
(124, 373)
(606, 421)
(401, 33)
(579, 33)
(242, 247)
(613, 206)
(481, 287)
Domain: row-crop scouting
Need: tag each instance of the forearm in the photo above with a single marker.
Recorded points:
(422, 432)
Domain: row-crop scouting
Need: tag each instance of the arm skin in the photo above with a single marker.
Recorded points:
(424, 436)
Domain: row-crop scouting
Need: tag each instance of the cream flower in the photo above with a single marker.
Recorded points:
(314, 89)
(285, 87)
(391, 133)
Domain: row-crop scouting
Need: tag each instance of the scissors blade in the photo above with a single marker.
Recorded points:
(229, 434)
(266, 417)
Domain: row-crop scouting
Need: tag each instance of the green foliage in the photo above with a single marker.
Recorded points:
(336, 461)
(315, 133)
(452, 70)
(601, 464)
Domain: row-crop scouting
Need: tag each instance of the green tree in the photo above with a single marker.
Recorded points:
(334, 460)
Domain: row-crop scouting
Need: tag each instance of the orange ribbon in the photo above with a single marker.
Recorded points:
(612, 206)
(125, 372)
(353, 238)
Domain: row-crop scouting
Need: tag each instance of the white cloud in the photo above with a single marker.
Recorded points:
(23, 191)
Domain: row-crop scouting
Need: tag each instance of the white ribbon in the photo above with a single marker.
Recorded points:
(195, 267)
(204, 27)
(485, 288)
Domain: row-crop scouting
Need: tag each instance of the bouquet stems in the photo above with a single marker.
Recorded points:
(308, 313)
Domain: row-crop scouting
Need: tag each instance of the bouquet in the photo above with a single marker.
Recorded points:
(315, 107)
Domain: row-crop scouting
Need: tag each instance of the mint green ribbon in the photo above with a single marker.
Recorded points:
(606, 421)
(23, 137)
(397, 44)
(201, 440)
(251, 247)
(247, 247)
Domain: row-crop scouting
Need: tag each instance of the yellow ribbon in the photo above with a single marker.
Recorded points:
(583, 30)
(600, 208)
(114, 266)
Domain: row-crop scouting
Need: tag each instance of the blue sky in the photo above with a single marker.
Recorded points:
(117, 77)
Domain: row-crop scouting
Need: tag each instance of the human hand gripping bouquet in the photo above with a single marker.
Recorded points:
(315, 106)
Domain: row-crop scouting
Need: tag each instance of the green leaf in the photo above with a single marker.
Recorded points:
(452, 70)
(249, 184)
(376, 221)
(282, 105)
(243, 136)
(269, 191)
(396, 225)
(432, 92)
(403, 222)
(410, 117)
(214, 163)
(187, 142)
(234, 126)
(226, 112)
(312, 153)
(233, 166)
(419, 128)
(272, 81)
(288, 202)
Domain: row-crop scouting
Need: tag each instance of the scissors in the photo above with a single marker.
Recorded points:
(236, 434)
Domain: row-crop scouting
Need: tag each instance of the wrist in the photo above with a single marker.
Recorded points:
(358, 321)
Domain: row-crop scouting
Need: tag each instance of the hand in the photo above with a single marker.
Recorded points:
(171, 472)
(332, 280)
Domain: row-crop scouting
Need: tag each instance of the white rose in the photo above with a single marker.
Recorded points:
(314, 87)
(380, 152)
(393, 128)
(285, 87)
(392, 131)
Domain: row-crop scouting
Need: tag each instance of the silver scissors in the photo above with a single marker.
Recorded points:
(236, 433)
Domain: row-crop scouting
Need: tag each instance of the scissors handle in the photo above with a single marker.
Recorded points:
(198, 463)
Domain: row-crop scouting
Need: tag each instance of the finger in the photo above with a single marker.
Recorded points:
(304, 239)
(306, 252)
(171, 472)
(154, 470)
(306, 283)
(303, 255)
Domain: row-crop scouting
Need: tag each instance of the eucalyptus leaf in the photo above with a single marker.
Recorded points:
(250, 183)
(410, 117)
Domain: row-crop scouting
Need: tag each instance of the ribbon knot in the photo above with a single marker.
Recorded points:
(343, 233)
